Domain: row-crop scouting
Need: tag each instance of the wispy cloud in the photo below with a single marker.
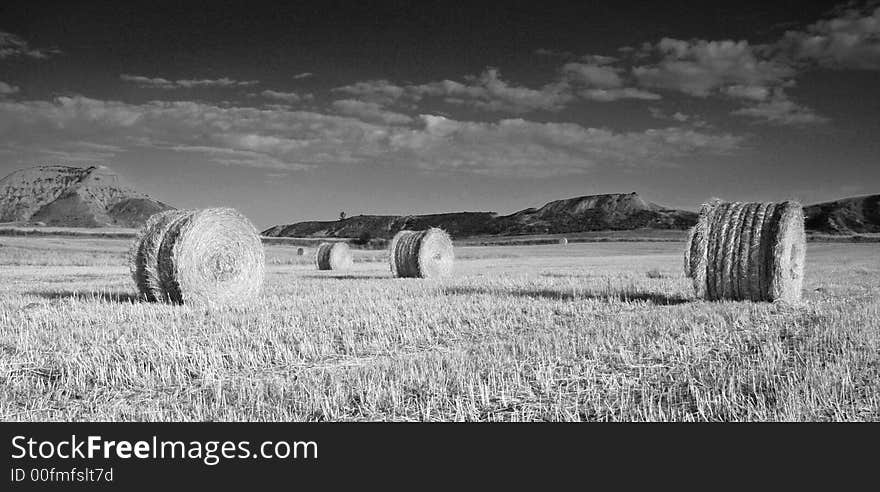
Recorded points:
(14, 46)
(490, 92)
(6, 89)
(370, 112)
(378, 91)
(303, 75)
(702, 68)
(290, 97)
(160, 83)
(287, 139)
(599, 82)
(851, 40)
(780, 110)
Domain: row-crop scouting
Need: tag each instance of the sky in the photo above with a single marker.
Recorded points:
(301, 111)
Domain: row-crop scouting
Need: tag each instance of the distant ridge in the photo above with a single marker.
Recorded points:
(616, 211)
(619, 211)
(67, 196)
(857, 215)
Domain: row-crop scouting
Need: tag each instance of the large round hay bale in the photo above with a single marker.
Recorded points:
(212, 257)
(300, 251)
(563, 241)
(424, 254)
(144, 252)
(333, 256)
(747, 251)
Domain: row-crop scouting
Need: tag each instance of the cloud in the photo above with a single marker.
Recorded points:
(554, 53)
(678, 116)
(6, 89)
(849, 41)
(701, 68)
(303, 75)
(752, 92)
(377, 91)
(517, 147)
(593, 75)
(290, 97)
(14, 46)
(591, 59)
(489, 92)
(779, 110)
(160, 83)
(288, 139)
(370, 112)
(608, 95)
(601, 83)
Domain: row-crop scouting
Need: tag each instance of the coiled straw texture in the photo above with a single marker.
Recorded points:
(212, 257)
(333, 256)
(423, 254)
(747, 251)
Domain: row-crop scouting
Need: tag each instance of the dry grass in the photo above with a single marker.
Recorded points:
(518, 333)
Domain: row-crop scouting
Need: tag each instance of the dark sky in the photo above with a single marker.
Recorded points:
(296, 112)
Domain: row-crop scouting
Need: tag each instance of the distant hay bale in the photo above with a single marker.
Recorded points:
(563, 241)
(300, 251)
(747, 251)
(211, 257)
(424, 254)
(144, 252)
(333, 256)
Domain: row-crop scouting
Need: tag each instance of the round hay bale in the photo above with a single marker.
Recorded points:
(333, 256)
(563, 241)
(300, 251)
(212, 257)
(747, 251)
(144, 251)
(423, 254)
(688, 245)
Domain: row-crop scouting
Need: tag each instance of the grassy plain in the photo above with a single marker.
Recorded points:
(587, 331)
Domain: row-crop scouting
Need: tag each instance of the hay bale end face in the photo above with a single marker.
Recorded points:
(422, 254)
(333, 256)
(212, 257)
(747, 251)
(563, 241)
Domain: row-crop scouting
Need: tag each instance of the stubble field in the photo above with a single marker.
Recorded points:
(587, 331)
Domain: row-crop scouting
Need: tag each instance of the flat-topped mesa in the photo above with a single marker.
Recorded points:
(612, 203)
(67, 196)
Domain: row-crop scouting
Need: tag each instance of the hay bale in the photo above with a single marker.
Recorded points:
(688, 246)
(424, 254)
(333, 256)
(212, 257)
(300, 251)
(747, 251)
(144, 251)
(563, 241)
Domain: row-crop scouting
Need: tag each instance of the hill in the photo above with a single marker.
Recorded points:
(587, 213)
(857, 215)
(65, 196)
